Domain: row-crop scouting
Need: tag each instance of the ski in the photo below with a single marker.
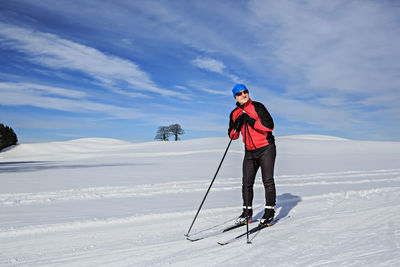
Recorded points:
(227, 229)
(251, 231)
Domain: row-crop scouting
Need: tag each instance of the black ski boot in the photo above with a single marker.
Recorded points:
(268, 216)
(246, 214)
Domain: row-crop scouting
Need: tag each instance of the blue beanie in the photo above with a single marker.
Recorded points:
(238, 87)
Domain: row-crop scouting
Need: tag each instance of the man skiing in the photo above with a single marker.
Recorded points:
(255, 123)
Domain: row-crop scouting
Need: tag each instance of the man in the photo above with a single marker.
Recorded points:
(255, 123)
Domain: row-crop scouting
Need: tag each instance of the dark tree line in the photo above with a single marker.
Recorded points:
(7, 137)
(165, 132)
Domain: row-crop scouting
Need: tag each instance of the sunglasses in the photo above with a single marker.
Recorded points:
(242, 92)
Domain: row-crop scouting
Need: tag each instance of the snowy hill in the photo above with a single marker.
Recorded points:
(106, 202)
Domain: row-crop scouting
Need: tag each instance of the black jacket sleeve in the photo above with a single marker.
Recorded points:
(266, 119)
(231, 131)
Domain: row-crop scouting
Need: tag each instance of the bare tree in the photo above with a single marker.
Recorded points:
(163, 133)
(176, 130)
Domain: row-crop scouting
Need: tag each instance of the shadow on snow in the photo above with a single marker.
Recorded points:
(286, 202)
(30, 166)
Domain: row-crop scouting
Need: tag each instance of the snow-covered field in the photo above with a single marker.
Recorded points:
(105, 202)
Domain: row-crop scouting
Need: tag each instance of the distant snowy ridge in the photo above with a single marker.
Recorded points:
(100, 147)
(315, 137)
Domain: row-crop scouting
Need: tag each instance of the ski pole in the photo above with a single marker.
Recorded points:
(202, 202)
(245, 190)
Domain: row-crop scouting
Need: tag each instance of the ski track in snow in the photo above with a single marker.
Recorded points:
(375, 180)
(109, 192)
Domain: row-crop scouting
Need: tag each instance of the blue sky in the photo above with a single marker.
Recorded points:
(119, 69)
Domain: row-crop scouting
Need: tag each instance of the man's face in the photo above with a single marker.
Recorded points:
(242, 97)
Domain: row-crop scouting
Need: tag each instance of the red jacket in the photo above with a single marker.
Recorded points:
(260, 135)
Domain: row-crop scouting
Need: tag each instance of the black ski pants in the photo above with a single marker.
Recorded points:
(254, 159)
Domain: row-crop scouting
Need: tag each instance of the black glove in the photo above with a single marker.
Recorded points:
(239, 123)
(248, 119)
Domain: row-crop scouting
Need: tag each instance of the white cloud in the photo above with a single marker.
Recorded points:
(349, 46)
(216, 92)
(51, 51)
(210, 64)
(40, 89)
(217, 88)
(47, 97)
(337, 62)
(309, 113)
(213, 65)
(182, 88)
